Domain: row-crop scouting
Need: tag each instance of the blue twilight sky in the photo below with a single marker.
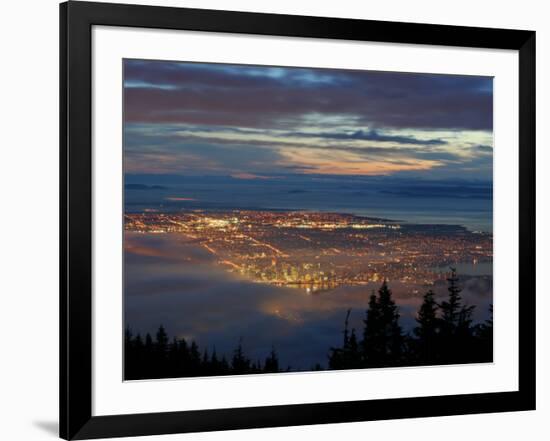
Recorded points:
(254, 122)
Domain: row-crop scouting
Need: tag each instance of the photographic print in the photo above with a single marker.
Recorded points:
(287, 219)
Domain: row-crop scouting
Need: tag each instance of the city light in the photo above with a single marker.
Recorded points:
(320, 251)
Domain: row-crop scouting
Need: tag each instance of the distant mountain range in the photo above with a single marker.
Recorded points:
(143, 187)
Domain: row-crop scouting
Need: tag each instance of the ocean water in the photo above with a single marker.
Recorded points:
(417, 201)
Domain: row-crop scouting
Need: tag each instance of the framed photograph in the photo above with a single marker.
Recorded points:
(272, 220)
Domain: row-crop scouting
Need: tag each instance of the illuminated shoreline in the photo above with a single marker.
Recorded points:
(317, 251)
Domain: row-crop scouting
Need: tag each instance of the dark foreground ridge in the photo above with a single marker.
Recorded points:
(444, 334)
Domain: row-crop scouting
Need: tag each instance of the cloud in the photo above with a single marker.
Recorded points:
(250, 176)
(256, 96)
(160, 151)
(197, 149)
(484, 149)
(372, 135)
(200, 118)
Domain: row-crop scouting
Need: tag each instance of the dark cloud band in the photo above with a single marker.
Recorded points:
(255, 96)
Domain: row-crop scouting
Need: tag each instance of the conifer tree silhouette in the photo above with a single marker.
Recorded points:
(194, 359)
(456, 321)
(272, 362)
(353, 355)
(240, 364)
(451, 308)
(383, 338)
(349, 355)
(371, 333)
(484, 334)
(427, 330)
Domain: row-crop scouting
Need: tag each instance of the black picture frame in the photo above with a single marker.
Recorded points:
(76, 21)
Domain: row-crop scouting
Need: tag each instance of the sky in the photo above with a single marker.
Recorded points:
(258, 122)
